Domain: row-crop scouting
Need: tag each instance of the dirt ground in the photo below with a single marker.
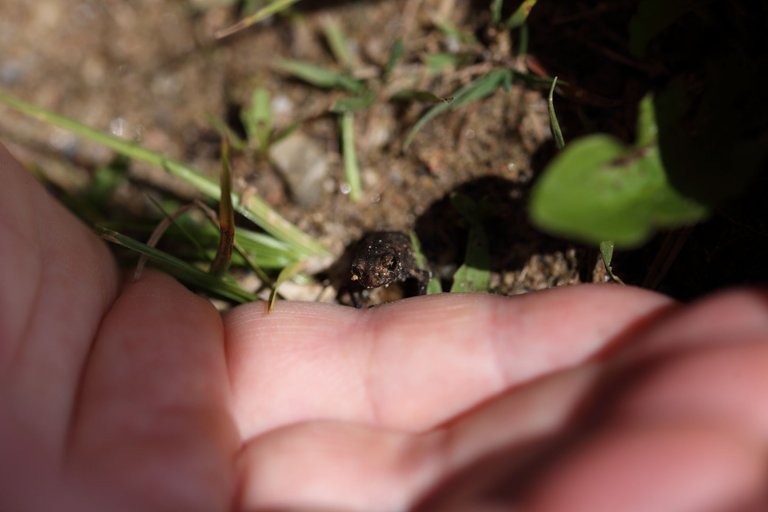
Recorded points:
(151, 70)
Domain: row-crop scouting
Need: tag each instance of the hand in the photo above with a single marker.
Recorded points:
(141, 397)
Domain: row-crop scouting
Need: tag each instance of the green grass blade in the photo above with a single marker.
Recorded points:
(257, 119)
(473, 91)
(351, 169)
(423, 120)
(434, 285)
(353, 104)
(320, 76)
(255, 209)
(480, 88)
(337, 42)
(285, 274)
(520, 16)
(262, 14)
(553, 123)
(606, 253)
(417, 95)
(496, 11)
(226, 219)
(647, 131)
(267, 252)
(441, 62)
(395, 55)
(474, 274)
(181, 270)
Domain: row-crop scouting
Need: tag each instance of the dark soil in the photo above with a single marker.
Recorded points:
(151, 70)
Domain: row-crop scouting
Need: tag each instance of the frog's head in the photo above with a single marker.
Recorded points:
(380, 270)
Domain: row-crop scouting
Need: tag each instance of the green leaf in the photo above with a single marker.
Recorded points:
(599, 189)
(224, 130)
(255, 209)
(351, 169)
(453, 32)
(713, 131)
(606, 252)
(441, 62)
(286, 274)
(520, 16)
(434, 285)
(223, 257)
(337, 42)
(654, 16)
(553, 122)
(320, 76)
(395, 55)
(262, 14)
(181, 270)
(354, 104)
(496, 11)
(257, 118)
(417, 95)
(480, 87)
(473, 91)
(474, 274)
(647, 129)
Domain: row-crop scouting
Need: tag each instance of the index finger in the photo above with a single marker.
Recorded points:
(415, 363)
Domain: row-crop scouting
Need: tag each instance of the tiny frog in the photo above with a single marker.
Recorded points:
(385, 257)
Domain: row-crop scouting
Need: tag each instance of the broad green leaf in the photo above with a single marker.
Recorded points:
(599, 189)
(320, 76)
(654, 16)
(713, 131)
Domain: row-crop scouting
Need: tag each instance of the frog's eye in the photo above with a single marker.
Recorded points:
(391, 263)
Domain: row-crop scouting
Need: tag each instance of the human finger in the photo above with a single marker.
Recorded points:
(414, 364)
(153, 428)
(682, 430)
(58, 279)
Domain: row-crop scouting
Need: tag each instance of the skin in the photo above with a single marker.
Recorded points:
(139, 396)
